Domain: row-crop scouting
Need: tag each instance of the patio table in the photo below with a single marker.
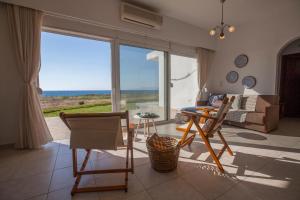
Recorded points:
(146, 121)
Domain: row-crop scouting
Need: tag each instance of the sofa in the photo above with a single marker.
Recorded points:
(255, 112)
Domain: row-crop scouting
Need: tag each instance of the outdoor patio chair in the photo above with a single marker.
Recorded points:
(101, 131)
(207, 129)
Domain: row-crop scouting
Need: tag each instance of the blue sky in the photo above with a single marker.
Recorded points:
(72, 63)
(136, 72)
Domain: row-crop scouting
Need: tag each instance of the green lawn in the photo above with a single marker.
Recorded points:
(79, 109)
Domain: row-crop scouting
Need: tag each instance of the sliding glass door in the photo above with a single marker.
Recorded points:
(184, 86)
(86, 75)
(142, 80)
(75, 74)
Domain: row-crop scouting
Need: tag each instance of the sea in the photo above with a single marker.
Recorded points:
(69, 93)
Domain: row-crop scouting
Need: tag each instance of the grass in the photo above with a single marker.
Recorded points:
(79, 109)
(92, 103)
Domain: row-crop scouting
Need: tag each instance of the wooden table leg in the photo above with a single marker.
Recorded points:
(154, 125)
(145, 127)
(138, 126)
(148, 129)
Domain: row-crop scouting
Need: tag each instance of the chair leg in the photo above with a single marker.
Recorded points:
(74, 158)
(126, 173)
(207, 143)
(78, 177)
(138, 126)
(225, 143)
(185, 134)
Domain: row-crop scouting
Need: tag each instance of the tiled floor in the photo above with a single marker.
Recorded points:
(264, 166)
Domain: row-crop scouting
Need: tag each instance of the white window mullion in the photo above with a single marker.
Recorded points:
(115, 76)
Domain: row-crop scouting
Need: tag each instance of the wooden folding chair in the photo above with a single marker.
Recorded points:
(207, 129)
(98, 131)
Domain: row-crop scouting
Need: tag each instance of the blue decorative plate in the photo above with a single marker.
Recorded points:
(232, 77)
(241, 60)
(249, 82)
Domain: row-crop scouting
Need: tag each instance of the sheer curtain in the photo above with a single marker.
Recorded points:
(204, 62)
(25, 26)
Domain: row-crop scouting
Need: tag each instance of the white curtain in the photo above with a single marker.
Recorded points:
(25, 26)
(204, 61)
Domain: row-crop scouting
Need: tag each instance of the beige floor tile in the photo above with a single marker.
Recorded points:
(238, 192)
(134, 186)
(280, 179)
(11, 156)
(35, 167)
(25, 188)
(175, 189)
(267, 188)
(139, 196)
(150, 177)
(65, 194)
(63, 178)
(44, 153)
(186, 166)
(64, 148)
(65, 160)
(7, 172)
(112, 162)
(264, 166)
(41, 197)
(209, 181)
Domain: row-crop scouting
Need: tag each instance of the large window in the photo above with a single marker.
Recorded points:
(142, 80)
(75, 74)
(184, 86)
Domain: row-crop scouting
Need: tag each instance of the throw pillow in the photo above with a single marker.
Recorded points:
(237, 103)
(215, 97)
(217, 103)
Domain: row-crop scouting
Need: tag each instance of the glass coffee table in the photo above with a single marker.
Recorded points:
(146, 119)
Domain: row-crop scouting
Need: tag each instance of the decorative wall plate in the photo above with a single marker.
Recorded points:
(232, 77)
(241, 60)
(249, 82)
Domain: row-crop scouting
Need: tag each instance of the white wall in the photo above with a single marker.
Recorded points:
(261, 41)
(9, 85)
(184, 79)
(106, 13)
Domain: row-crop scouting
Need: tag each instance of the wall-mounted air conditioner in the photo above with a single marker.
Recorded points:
(137, 15)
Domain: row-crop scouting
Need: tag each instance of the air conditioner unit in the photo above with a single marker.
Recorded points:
(137, 15)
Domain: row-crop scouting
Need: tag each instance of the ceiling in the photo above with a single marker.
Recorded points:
(206, 13)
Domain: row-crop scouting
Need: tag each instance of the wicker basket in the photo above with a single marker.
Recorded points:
(163, 153)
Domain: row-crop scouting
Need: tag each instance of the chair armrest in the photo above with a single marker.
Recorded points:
(197, 115)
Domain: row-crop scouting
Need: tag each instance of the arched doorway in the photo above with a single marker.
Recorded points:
(289, 79)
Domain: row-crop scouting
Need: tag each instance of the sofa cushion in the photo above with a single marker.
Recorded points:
(236, 115)
(236, 104)
(249, 102)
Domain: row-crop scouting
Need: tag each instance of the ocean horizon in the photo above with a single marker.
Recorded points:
(69, 93)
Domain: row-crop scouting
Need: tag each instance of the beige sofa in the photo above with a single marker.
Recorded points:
(257, 112)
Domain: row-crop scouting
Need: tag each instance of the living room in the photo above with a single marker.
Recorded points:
(196, 56)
